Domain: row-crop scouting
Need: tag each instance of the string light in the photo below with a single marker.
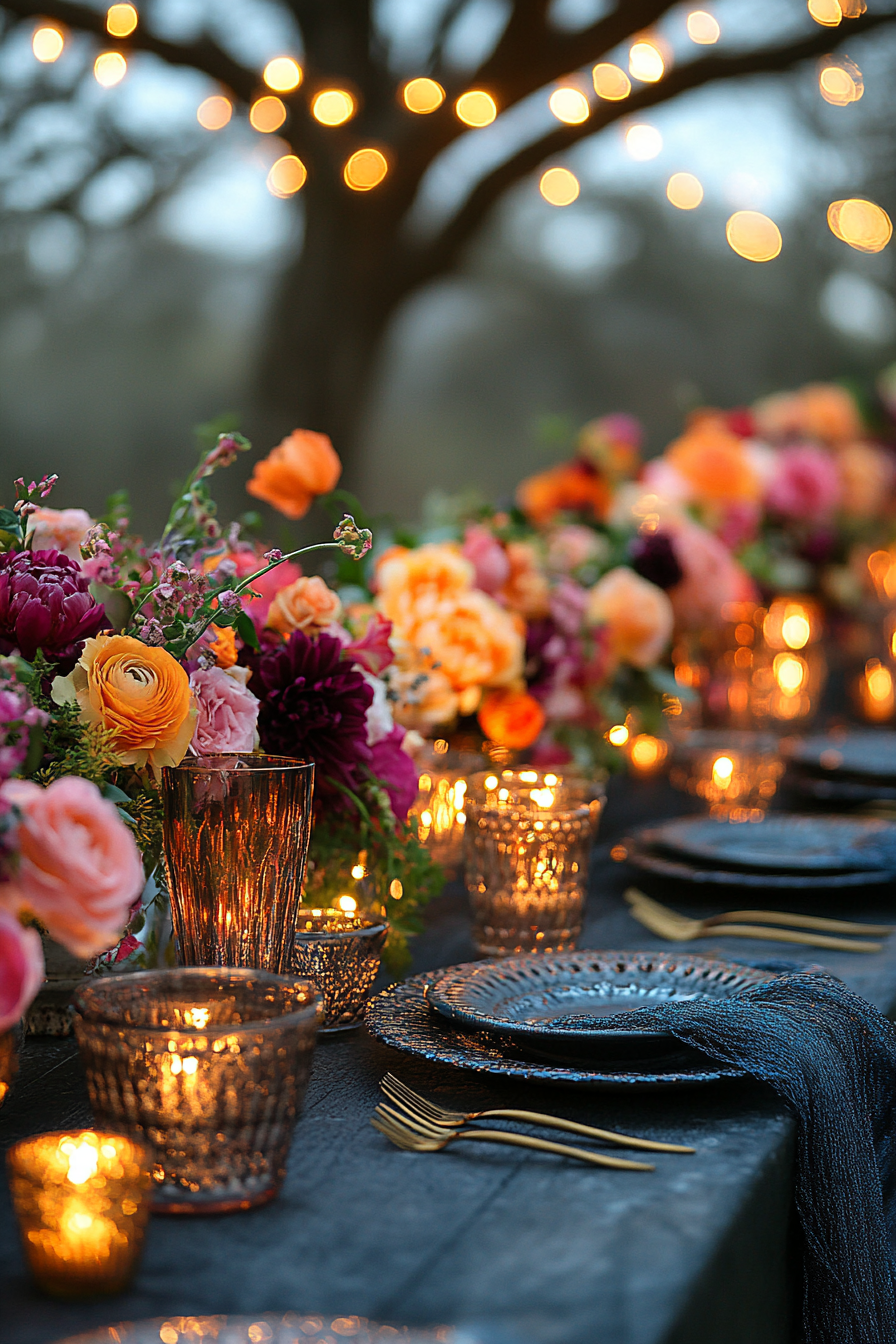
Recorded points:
(365, 169)
(645, 62)
(611, 82)
(703, 28)
(422, 95)
(861, 224)
(121, 20)
(109, 68)
(267, 114)
(47, 44)
(569, 105)
(287, 176)
(840, 81)
(826, 12)
(753, 235)
(684, 191)
(282, 74)
(643, 142)
(333, 107)
(476, 108)
(559, 186)
(214, 113)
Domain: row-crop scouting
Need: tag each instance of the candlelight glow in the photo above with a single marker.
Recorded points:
(333, 107)
(365, 169)
(109, 68)
(684, 191)
(753, 235)
(826, 12)
(542, 797)
(559, 186)
(618, 735)
(491, 782)
(790, 672)
(396, 890)
(840, 81)
(703, 28)
(643, 142)
(214, 113)
(267, 114)
(197, 1017)
(282, 74)
(862, 224)
(529, 776)
(287, 176)
(476, 108)
(358, 871)
(569, 105)
(611, 82)
(47, 44)
(722, 771)
(422, 95)
(878, 697)
(795, 630)
(121, 20)
(645, 62)
(647, 753)
(347, 904)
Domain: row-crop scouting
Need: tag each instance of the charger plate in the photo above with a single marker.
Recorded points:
(401, 1016)
(265, 1328)
(865, 752)
(680, 870)
(783, 842)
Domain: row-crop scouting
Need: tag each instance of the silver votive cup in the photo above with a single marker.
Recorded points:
(340, 954)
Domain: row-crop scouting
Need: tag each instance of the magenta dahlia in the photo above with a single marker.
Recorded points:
(314, 705)
(45, 604)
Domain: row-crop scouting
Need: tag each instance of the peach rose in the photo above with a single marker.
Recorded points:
(714, 463)
(21, 967)
(866, 479)
(637, 614)
(423, 696)
(59, 530)
(829, 413)
(140, 695)
(308, 604)
(527, 589)
(79, 867)
(473, 641)
(511, 718)
(575, 486)
(412, 585)
(294, 473)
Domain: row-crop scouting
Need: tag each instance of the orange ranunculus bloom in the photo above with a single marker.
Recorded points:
(574, 486)
(139, 694)
(308, 604)
(511, 718)
(412, 585)
(473, 641)
(714, 463)
(638, 616)
(224, 645)
(303, 466)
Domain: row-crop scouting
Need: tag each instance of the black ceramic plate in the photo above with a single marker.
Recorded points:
(270, 1328)
(401, 1017)
(659, 865)
(561, 996)
(864, 752)
(782, 842)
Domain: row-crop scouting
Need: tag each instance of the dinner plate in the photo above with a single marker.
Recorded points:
(781, 842)
(864, 752)
(679, 870)
(401, 1017)
(265, 1328)
(559, 999)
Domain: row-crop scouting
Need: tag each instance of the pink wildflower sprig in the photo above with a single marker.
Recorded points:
(15, 520)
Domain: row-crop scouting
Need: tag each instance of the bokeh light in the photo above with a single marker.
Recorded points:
(214, 113)
(645, 62)
(476, 108)
(287, 176)
(47, 44)
(647, 753)
(826, 12)
(611, 82)
(109, 68)
(282, 74)
(853, 9)
(365, 169)
(569, 105)
(684, 190)
(753, 235)
(422, 95)
(559, 186)
(703, 28)
(643, 142)
(267, 114)
(333, 107)
(121, 20)
(840, 81)
(617, 736)
(861, 224)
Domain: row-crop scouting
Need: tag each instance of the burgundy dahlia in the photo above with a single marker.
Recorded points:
(45, 604)
(653, 557)
(314, 704)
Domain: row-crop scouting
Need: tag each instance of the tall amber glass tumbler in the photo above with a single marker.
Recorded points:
(236, 840)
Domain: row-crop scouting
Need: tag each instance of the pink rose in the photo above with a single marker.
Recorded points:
(572, 546)
(79, 867)
(806, 485)
(21, 968)
(59, 530)
(712, 578)
(228, 713)
(488, 558)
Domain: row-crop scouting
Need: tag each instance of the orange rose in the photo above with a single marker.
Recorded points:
(866, 479)
(473, 641)
(714, 463)
(303, 466)
(637, 614)
(511, 718)
(412, 585)
(575, 486)
(527, 589)
(307, 604)
(140, 695)
(829, 413)
(224, 645)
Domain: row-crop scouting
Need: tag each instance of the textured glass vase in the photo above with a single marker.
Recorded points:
(236, 841)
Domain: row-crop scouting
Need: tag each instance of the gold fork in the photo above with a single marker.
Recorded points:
(408, 1135)
(679, 929)
(422, 1111)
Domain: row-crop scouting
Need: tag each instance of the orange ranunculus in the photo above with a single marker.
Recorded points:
(224, 645)
(303, 466)
(138, 694)
(714, 463)
(575, 486)
(638, 616)
(473, 641)
(412, 585)
(527, 589)
(866, 479)
(308, 604)
(511, 718)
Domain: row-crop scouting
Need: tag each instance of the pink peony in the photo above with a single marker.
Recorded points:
(79, 867)
(228, 713)
(21, 968)
(392, 764)
(712, 578)
(59, 530)
(488, 558)
(806, 486)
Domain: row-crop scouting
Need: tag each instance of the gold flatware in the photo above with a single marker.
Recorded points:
(407, 1135)
(423, 1111)
(679, 929)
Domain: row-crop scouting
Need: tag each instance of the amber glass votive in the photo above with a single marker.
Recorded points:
(82, 1200)
(340, 954)
(528, 840)
(208, 1068)
(736, 773)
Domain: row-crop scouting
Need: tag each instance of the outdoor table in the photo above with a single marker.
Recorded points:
(516, 1245)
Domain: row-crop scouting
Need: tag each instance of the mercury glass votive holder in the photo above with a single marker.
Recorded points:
(208, 1068)
(528, 841)
(340, 954)
(236, 831)
(736, 773)
(442, 782)
(82, 1200)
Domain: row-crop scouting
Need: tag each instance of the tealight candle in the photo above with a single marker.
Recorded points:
(82, 1200)
(339, 952)
(737, 773)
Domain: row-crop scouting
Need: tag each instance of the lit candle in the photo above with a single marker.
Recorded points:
(82, 1201)
(737, 773)
(876, 692)
(339, 951)
(440, 808)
